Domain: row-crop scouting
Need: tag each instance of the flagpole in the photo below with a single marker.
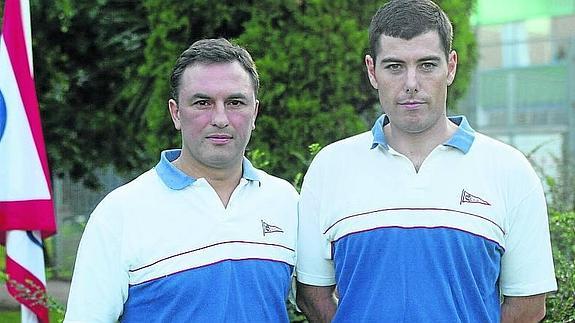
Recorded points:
(26, 315)
(25, 6)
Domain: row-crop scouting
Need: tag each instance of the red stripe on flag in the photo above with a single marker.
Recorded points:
(27, 215)
(13, 33)
(27, 289)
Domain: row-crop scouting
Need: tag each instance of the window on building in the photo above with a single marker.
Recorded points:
(516, 44)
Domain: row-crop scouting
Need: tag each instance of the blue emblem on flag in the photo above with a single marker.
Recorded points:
(3, 115)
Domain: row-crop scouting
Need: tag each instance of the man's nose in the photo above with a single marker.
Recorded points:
(220, 116)
(411, 81)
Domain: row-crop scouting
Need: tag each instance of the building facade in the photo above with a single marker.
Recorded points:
(523, 88)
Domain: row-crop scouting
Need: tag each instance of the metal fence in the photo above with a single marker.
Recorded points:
(74, 202)
(511, 103)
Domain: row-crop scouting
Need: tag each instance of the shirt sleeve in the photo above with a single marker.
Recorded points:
(314, 265)
(100, 282)
(527, 264)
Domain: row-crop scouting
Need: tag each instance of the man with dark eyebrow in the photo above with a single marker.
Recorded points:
(204, 236)
(421, 219)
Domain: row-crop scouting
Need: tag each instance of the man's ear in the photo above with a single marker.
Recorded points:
(370, 64)
(174, 113)
(255, 114)
(451, 67)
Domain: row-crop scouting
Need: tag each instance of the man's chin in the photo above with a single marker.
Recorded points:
(223, 161)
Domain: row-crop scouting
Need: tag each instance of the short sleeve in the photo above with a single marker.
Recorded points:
(100, 283)
(527, 264)
(313, 266)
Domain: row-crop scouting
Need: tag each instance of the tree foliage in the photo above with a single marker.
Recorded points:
(561, 305)
(102, 70)
(85, 52)
(463, 43)
(310, 59)
(170, 34)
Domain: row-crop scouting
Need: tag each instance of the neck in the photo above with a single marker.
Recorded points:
(417, 146)
(222, 180)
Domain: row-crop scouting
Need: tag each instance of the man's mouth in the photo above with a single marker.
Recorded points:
(411, 104)
(220, 139)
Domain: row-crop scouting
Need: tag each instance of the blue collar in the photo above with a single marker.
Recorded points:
(175, 179)
(461, 139)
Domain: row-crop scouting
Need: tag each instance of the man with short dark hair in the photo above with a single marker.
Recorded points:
(203, 236)
(421, 219)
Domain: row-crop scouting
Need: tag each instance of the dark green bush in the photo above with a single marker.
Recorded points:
(561, 305)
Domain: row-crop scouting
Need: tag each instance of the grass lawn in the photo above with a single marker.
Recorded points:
(9, 316)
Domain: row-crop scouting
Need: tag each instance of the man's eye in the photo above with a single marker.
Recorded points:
(428, 66)
(201, 103)
(235, 103)
(393, 67)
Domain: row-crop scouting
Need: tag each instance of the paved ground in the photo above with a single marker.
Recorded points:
(57, 289)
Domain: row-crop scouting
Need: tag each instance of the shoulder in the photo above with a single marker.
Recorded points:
(349, 144)
(485, 142)
(146, 183)
(135, 192)
(337, 156)
(505, 163)
(276, 185)
(351, 148)
(498, 152)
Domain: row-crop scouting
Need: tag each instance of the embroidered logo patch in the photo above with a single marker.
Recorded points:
(467, 197)
(268, 228)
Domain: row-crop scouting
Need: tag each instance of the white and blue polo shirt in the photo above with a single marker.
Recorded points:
(163, 248)
(435, 245)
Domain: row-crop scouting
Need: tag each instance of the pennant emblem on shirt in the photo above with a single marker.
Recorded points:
(466, 197)
(268, 228)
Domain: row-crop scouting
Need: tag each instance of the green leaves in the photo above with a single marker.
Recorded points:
(561, 305)
(84, 53)
(310, 66)
(463, 43)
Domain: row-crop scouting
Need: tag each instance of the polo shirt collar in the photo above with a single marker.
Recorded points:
(249, 171)
(175, 179)
(377, 131)
(462, 139)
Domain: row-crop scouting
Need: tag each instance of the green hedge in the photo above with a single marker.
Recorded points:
(561, 305)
